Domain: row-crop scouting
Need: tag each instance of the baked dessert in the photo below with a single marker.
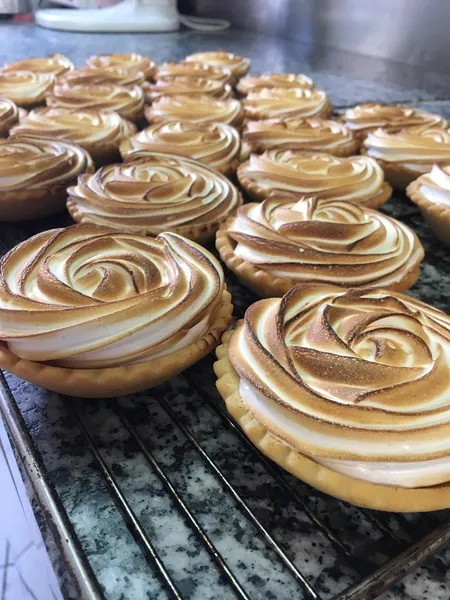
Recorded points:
(347, 390)
(9, 116)
(199, 109)
(215, 144)
(98, 313)
(134, 63)
(255, 83)
(431, 193)
(356, 178)
(238, 65)
(193, 86)
(408, 153)
(97, 131)
(128, 102)
(102, 76)
(192, 69)
(279, 103)
(55, 64)
(34, 175)
(281, 242)
(161, 192)
(368, 117)
(25, 88)
(299, 134)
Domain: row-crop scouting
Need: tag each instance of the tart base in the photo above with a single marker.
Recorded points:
(349, 489)
(24, 205)
(437, 216)
(266, 285)
(115, 381)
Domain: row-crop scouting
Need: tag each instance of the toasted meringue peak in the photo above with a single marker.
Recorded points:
(356, 379)
(55, 64)
(193, 86)
(254, 83)
(238, 65)
(9, 115)
(25, 88)
(435, 186)
(277, 103)
(200, 109)
(86, 297)
(133, 63)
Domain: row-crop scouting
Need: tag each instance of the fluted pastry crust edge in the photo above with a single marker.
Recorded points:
(267, 285)
(113, 381)
(349, 489)
(396, 174)
(437, 216)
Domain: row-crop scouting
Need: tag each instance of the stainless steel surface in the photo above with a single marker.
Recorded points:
(410, 31)
(14, 7)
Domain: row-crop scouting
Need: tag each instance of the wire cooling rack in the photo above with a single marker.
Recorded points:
(370, 550)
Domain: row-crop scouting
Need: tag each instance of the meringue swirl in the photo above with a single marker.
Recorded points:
(435, 186)
(32, 162)
(238, 65)
(102, 76)
(192, 69)
(366, 117)
(355, 379)
(85, 297)
(276, 103)
(357, 178)
(92, 129)
(25, 88)
(9, 115)
(332, 241)
(254, 83)
(54, 64)
(127, 101)
(193, 86)
(201, 109)
(214, 144)
(298, 134)
(415, 148)
(133, 63)
(157, 193)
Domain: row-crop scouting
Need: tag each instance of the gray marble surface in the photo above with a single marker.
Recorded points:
(162, 415)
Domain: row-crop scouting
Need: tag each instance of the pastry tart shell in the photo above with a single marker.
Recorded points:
(437, 216)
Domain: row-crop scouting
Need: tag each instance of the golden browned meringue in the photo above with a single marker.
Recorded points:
(255, 83)
(278, 103)
(193, 69)
(127, 101)
(9, 116)
(193, 86)
(55, 64)
(356, 178)
(97, 131)
(221, 58)
(367, 117)
(299, 134)
(25, 88)
(34, 175)
(332, 241)
(215, 144)
(101, 76)
(161, 192)
(356, 380)
(86, 297)
(130, 62)
(199, 109)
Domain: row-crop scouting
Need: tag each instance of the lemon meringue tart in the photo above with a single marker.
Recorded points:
(133, 63)
(280, 103)
(192, 86)
(156, 193)
(102, 76)
(347, 390)
(199, 109)
(281, 242)
(99, 313)
(215, 144)
(409, 153)
(299, 134)
(192, 69)
(237, 65)
(97, 131)
(431, 193)
(27, 89)
(356, 178)
(55, 64)
(35, 172)
(255, 83)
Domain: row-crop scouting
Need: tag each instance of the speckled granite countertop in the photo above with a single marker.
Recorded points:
(161, 416)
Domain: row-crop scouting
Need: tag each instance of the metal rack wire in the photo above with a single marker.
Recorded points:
(372, 579)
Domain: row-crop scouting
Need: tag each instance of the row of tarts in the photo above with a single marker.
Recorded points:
(334, 374)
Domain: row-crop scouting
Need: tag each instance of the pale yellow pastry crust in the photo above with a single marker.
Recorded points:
(349, 489)
(437, 216)
(265, 284)
(116, 381)
(396, 174)
(258, 193)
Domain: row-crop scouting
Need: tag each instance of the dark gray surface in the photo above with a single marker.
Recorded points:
(115, 558)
